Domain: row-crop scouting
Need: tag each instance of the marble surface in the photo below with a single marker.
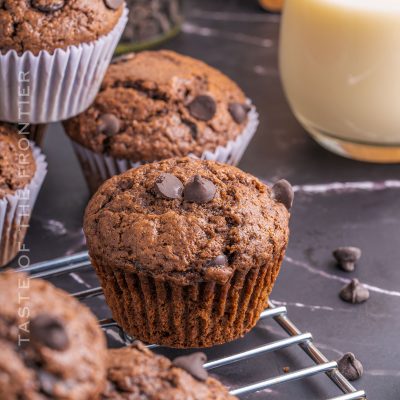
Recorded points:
(338, 202)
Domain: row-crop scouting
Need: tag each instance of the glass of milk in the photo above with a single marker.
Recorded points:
(340, 68)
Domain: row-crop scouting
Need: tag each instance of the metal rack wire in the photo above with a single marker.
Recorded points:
(78, 261)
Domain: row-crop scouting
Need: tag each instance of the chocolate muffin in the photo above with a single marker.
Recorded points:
(51, 345)
(22, 171)
(14, 175)
(136, 373)
(187, 251)
(54, 24)
(156, 105)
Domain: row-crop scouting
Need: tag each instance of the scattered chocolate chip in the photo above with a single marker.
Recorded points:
(199, 190)
(46, 382)
(49, 331)
(113, 4)
(282, 192)
(350, 367)
(193, 364)
(347, 257)
(238, 112)
(219, 261)
(286, 370)
(48, 6)
(203, 108)
(109, 124)
(168, 186)
(354, 292)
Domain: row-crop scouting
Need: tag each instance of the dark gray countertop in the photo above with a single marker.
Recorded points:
(338, 202)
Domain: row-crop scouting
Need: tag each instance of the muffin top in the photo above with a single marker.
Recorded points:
(37, 25)
(137, 373)
(160, 104)
(17, 164)
(193, 220)
(51, 346)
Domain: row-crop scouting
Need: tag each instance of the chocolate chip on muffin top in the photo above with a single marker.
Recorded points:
(17, 164)
(167, 105)
(158, 220)
(37, 25)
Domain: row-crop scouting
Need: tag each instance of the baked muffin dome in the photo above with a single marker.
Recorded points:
(17, 164)
(187, 251)
(130, 227)
(136, 373)
(159, 104)
(37, 25)
(51, 345)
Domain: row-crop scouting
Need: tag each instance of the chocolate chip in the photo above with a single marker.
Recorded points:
(109, 124)
(48, 6)
(199, 190)
(347, 257)
(168, 186)
(350, 367)
(282, 192)
(238, 112)
(193, 364)
(219, 261)
(113, 4)
(203, 108)
(354, 292)
(47, 382)
(50, 332)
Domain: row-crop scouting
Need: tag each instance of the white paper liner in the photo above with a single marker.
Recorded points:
(97, 168)
(61, 85)
(16, 209)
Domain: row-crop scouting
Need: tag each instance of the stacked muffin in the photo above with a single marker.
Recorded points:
(60, 49)
(157, 105)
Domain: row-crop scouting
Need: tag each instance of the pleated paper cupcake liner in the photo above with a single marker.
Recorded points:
(202, 314)
(97, 167)
(61, 85)
(16, 209)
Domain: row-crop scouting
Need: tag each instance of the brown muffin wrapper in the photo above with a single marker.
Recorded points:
(204, 314)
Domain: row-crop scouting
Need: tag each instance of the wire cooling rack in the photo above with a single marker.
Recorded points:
(323, 365)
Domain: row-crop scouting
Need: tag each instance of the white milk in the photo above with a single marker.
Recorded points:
(340, 66)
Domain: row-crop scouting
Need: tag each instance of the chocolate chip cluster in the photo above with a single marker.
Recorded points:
(197, 190)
